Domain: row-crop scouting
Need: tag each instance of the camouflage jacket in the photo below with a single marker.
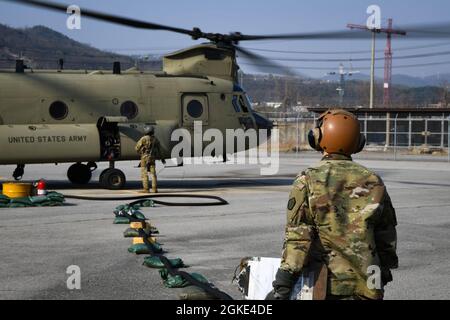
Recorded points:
(339, 213)
(149, 147)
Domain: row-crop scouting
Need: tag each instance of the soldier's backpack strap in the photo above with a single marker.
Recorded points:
(320, 286)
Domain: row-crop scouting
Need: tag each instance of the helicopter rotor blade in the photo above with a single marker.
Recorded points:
(344, 34)
(109, 17)
(265, 64)
(418, 31)
(421, 31)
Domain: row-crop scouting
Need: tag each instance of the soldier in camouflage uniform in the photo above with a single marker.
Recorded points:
(149, 149)
(340, 219)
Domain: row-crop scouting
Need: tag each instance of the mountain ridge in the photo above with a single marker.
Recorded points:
(42, 47)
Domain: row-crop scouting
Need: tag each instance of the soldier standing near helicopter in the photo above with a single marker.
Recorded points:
(340, 221)
(149, 149)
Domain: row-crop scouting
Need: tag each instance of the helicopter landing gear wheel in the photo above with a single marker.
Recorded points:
(79, 173)
(112, 179)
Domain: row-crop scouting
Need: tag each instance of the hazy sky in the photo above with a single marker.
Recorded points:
(251, 17)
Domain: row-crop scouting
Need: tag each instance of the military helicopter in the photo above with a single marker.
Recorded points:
(72, 116)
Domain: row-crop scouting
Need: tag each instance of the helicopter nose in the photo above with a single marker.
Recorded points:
(262, 122)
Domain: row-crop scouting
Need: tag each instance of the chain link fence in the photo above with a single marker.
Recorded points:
(397, 137)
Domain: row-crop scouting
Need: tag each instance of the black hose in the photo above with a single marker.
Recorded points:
(208, 288)
(218, 200)
(139, 199)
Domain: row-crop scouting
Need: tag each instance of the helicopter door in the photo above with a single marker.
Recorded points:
(110, 147)
(195, 108)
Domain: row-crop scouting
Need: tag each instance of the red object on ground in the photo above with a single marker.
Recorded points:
(41, 188)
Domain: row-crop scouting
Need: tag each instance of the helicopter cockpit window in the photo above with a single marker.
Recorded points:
(242, 104)
(195, 108)
(129, 109)
(236, 104)
(58, 110)
(248, 101)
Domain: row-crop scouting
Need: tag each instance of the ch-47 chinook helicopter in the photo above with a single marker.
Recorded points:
(64, 116)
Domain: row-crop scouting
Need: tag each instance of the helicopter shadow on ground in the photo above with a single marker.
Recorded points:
(184, 184)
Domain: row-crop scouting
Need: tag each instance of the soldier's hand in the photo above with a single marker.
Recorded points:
(283, 284)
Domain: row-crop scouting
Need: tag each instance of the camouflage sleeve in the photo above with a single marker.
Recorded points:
(299, 230)
(386, 235)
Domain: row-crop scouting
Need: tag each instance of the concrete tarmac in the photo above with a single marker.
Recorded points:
(38, 244)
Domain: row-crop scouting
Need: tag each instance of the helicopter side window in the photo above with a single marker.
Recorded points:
(129, 109)
(195, 108)
(236, 104)
(58, 110)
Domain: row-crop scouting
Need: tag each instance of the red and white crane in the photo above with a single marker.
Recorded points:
(389, 31)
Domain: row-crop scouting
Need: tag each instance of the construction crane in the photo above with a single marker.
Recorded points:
(389, 31)
(342, 74)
